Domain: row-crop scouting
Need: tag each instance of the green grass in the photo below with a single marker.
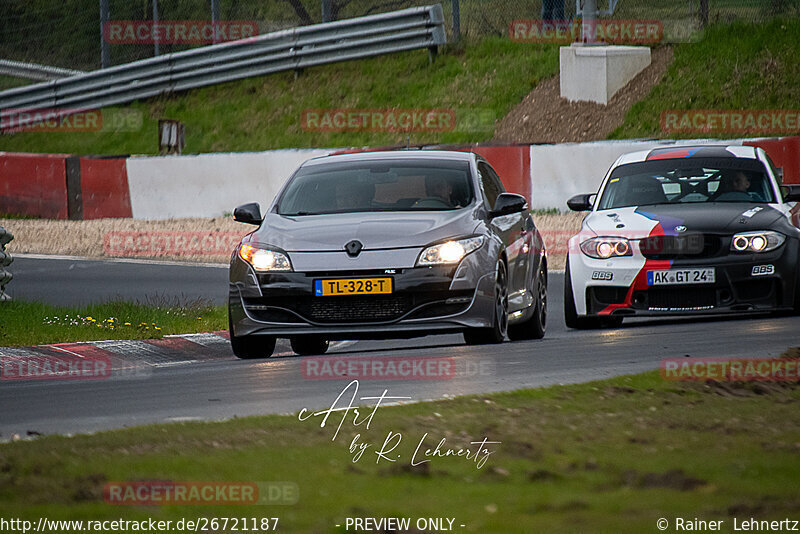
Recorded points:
(17, 216)
(480, 81)
(608, 456)
(737, 66)
(9, 82)
(27, 323)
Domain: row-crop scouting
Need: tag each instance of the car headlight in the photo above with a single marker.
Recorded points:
(263, 260)
(449, 252)
(602, 248)
(762, 241)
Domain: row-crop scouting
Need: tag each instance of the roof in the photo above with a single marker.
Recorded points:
(689, 151)
(452, 155)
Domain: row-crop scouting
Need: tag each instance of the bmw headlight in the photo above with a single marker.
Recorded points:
(264, 260)
(449, 252)
(602, 248)
(761, 241)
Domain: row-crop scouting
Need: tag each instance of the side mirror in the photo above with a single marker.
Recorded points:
(508, 203)
(791, 193)
(248, 213)
(581, 202)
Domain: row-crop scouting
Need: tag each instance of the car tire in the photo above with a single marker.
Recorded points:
(571, 315)
(309, 345)
(251, 347)
(497, 332)
(534, 327)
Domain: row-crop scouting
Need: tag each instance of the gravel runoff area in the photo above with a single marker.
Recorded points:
(190, 240)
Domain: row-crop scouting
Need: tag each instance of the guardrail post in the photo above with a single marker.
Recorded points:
(105, 57)
(5, 261)
(456, 20)
(327, 11)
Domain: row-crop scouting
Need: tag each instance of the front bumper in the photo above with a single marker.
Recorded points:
(743, 283)
(424, 300)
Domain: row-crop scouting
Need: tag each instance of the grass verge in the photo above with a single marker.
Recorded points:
(735, 67)
(607, 456)
(28, 323)
(481, 81)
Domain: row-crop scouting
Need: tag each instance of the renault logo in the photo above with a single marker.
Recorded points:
(353, 248)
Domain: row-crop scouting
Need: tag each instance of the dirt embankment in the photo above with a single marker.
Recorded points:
(544, 117)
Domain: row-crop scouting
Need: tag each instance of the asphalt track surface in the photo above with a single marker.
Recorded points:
(226, 387)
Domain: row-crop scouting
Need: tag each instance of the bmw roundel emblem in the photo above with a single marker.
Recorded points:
(680, 229)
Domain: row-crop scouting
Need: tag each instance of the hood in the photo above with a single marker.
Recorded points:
(376, 230)
(706, 217)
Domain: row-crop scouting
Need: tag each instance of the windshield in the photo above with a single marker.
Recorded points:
(687, 180)
(365, 186)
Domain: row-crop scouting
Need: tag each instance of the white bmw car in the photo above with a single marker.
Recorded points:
(684, 230)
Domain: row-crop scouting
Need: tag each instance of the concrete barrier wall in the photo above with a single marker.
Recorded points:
(208, 185)
(58, 186)
(104, 188)
(559, 172)
(33, 184)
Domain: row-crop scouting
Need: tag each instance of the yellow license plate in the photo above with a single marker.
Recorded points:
(352, 286)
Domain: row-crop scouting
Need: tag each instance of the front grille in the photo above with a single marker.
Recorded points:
(677, 298)
(356, 308)
(690, 246)
(351, 308)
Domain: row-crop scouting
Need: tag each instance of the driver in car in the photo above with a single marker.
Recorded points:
(439, 193)
(734, 187)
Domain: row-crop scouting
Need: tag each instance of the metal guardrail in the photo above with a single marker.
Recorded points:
(294, 49)
(34, 71)
(5, 261)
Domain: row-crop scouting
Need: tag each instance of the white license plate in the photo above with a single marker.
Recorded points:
(681, 276)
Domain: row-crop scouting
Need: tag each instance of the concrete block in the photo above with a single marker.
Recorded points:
(596, 73)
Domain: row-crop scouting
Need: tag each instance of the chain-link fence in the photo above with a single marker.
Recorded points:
(67, 33)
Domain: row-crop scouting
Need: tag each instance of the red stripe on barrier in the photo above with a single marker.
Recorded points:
(784, 153)
(33, 184)
(104, 188)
